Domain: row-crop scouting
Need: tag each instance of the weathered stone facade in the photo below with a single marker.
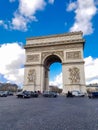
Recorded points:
(41, 52)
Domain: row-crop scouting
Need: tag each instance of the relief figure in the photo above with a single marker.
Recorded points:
(74, 75)
(31, 75)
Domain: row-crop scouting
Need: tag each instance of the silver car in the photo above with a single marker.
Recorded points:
(49, 94)
(3, 94)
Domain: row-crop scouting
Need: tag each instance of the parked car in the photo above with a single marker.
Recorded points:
(3, 94)
(34, 94)
(69, 94)
(77, 93)
(49, 94)
(93, 95)
(23, 94)
(10, 93)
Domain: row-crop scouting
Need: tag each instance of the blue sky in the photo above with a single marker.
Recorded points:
(20, 19)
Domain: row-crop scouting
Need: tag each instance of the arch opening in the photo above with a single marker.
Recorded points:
(55, 76)
(50, 60)
(50, 63)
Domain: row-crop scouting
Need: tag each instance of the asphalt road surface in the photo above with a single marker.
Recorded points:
(41, 113)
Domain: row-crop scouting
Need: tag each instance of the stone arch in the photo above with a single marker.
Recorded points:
(65, 48)
(51, 59)
(59, 54)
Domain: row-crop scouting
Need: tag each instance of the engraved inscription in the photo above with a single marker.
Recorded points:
(31, 75)
(74, 75)
(32, 58)
(73, 55)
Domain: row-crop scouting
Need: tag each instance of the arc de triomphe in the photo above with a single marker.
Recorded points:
(42, 51)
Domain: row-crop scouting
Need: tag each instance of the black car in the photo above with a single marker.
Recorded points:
(49, 94)
(24, 94)
(34, 94)
(93, 95)
(69, 94)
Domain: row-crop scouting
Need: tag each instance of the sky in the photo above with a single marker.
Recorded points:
(21, 19)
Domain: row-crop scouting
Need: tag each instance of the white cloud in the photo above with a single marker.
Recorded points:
(2, 23)
(19, 23)
(57, 81)
(72, 6)
(26, 13)
(51, 1)
(12, 58)
(91, 70)
(29, 8)
(84, 12)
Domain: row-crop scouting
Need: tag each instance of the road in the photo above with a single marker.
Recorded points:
(41, 113)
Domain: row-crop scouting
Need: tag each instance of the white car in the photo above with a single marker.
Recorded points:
(77, 93)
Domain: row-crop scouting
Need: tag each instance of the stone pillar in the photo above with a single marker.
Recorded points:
(73, 77)
(73, 71)
(47, 79)
(32, 78)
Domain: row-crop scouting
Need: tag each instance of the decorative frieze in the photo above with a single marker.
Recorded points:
(32, 58)
(74, 75)
(58, 47)
(73, 55)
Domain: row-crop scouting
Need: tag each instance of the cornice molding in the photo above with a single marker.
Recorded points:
(74, 62)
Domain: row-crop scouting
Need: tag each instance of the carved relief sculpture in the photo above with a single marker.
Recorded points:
(73, 55)
(74, 75)
(33, 58)
(31, 75)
